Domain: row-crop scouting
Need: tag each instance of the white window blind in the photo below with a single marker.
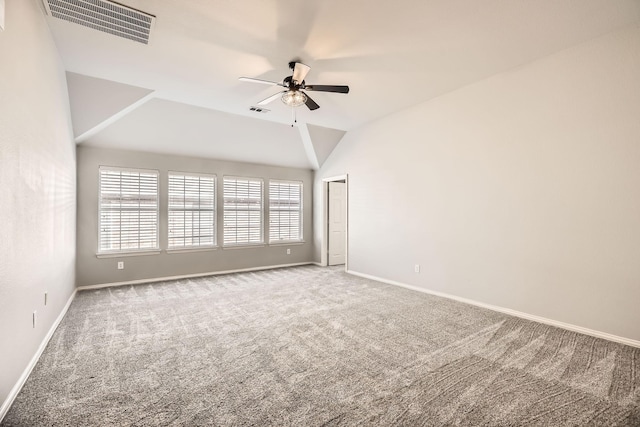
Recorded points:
(285, 211)
(128, 210)
(192, 202)
(242, 211)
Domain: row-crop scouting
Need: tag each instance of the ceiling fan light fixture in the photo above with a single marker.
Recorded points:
(294, 98)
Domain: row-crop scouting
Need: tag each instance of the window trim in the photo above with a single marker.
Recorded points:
(127, 252)
(262, 214)
(179, 249)
(142, 252)
(196, 249)
(301, 235)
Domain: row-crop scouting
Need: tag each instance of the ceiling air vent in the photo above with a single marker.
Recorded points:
(105, 16)
(259, 109)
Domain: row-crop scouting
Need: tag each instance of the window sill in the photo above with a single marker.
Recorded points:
(245, 246)
(126, 254)
(187, 250)
(288, 243)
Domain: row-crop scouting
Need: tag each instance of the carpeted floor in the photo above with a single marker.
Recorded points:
(311, 346)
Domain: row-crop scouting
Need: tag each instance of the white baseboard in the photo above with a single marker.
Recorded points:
(563, 325)
(187, 276)
(34, 360)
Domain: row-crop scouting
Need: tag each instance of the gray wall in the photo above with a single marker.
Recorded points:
(38, 197)
(92, 270)
(520, 191)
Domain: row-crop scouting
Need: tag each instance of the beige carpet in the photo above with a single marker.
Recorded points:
(311, 346)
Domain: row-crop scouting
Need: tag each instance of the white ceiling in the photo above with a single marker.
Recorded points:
(181, 94)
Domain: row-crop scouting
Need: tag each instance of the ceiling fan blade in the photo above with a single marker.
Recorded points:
(271, 98)
(327, 88)
(311, 103)
(300, 71)
(265, 82)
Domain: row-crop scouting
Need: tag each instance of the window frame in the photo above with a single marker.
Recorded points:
(300, 238)
(120, 252)
(214, 212)
(224, 211)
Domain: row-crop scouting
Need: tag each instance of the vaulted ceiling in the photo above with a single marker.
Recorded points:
(180, 94)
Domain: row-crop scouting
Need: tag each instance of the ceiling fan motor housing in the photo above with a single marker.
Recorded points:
(292, 84)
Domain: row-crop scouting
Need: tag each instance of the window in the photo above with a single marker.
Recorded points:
(128, 210)
(285, 211)
(192, 213)
(242, 211)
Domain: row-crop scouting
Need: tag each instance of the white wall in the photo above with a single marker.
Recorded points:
(520, 191)
(37, 201)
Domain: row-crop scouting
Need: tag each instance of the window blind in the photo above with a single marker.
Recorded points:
(192, 201)
(128, 210)
(242, 211)
(285, 211)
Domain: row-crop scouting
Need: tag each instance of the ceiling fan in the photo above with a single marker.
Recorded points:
(293, 96)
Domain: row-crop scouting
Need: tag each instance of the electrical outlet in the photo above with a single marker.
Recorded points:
(35, 318)
(120, 265)
(46, 298)
(288, 251)
(416, 268)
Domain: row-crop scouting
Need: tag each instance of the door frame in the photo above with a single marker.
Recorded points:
(324, 251)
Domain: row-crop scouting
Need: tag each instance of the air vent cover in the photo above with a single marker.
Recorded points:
(105, 16)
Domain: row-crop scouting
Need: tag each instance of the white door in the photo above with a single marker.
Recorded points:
(337, 222)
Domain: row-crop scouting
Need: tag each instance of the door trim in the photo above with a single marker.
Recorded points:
(324, 258)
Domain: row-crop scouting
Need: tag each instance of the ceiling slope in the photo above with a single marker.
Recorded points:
(324, 141)
(95, 103)
(169, 127)
(393, 55)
